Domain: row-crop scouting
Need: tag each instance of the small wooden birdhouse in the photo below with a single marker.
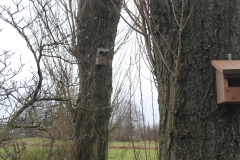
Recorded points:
(102, 56)
(227, 80)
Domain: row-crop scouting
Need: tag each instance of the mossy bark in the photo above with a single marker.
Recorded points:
(97, 25)
(205, 130)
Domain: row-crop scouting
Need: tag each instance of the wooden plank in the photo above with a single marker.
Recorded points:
(232, 94)
(235, 63)
(227, 66)
(220, 83)
(232, 90)
(232, 98)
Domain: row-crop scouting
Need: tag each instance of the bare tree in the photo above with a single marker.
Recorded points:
(63, 38)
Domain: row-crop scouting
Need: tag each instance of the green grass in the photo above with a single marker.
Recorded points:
(35, 153)
(38, 148)
(25, 149)
(33, 140)
(136, 144)
(130, 154)
(125, 151)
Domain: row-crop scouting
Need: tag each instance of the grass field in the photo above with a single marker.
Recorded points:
(130, 151)
(130, 154)
(38, 148)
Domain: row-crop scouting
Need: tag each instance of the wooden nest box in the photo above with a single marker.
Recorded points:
(227, 80)
(102, 56)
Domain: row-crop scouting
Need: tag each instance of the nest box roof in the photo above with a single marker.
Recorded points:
(227, 66)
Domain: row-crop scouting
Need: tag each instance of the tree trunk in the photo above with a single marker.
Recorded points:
(192, 125)
(97, 23)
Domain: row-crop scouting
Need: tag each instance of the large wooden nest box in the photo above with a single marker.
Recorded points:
(227, 80)
(102, 56)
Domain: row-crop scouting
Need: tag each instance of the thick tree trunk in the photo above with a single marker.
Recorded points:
(192, 125)
(97, 23)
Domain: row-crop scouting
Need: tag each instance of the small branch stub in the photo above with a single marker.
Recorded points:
(102, 56)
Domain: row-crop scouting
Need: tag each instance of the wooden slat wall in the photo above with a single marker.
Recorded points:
(232, 94)
(220, 86)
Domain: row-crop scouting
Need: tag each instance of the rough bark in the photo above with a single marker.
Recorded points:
(97, 25)
(204, 130)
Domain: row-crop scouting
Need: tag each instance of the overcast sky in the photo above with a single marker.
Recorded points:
(11, 40)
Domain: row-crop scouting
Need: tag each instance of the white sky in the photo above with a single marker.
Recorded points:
(11, 40)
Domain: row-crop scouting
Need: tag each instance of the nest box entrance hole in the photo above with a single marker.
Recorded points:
(234, 82)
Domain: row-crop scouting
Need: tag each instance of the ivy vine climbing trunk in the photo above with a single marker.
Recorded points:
(192, 125)
(97, 27)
